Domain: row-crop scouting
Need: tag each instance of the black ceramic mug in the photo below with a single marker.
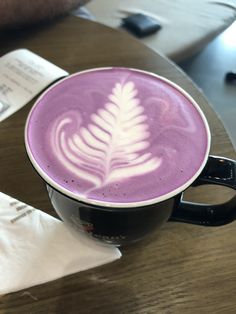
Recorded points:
(118, 147)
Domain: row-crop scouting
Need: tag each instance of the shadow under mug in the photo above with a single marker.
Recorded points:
(122, 226)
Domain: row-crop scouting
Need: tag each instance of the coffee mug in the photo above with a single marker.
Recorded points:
(117, 148)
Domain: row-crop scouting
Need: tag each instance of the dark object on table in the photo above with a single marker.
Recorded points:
(141, 25)
(230, 77)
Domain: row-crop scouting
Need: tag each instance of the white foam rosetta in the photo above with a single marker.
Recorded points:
(111, 147)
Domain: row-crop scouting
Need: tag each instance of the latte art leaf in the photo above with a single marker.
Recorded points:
(112, 147)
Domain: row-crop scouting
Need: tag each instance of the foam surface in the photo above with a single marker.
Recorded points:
(117, 135)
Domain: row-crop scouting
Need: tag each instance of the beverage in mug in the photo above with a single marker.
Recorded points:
(117, 147)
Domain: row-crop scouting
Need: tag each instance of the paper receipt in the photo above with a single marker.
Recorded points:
(23, 74)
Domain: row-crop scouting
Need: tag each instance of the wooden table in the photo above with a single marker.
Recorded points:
(183, 268)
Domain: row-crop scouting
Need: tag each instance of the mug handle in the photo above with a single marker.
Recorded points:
(220, 171)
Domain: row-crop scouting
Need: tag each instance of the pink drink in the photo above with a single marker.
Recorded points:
(117, 136)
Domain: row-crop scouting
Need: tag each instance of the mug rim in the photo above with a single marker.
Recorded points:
(107, 204)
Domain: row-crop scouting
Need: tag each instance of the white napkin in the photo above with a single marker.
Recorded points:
(36, 248)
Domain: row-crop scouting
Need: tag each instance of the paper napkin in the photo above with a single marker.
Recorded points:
(36, 248)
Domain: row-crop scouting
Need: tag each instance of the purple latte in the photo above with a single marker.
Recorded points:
(117, 135)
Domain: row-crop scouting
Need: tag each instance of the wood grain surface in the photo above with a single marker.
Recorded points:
(180, 269)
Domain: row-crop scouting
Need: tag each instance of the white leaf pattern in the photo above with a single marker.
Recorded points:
(110, 148)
